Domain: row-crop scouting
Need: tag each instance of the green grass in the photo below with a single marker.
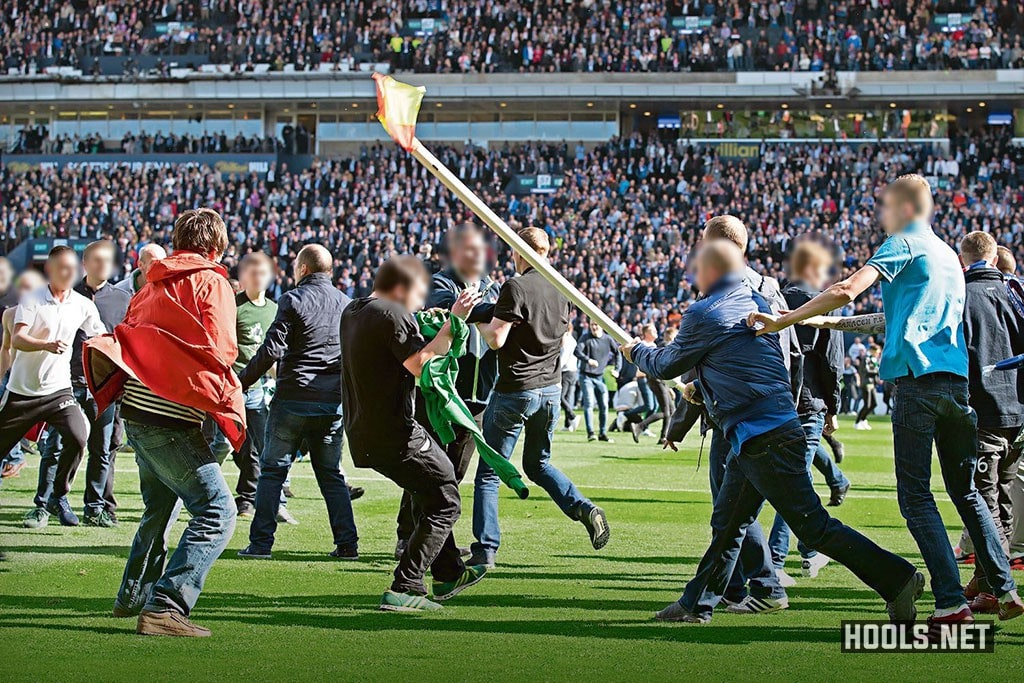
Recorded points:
(553, 610)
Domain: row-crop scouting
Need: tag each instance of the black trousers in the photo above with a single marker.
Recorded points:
(666, 405)
(460, 452)
(61, 411)
(426, 474)
(870, 401)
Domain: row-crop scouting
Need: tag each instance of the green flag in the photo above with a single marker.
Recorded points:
(446, 409)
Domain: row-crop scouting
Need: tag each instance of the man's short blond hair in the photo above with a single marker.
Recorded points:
(914, 189)
(1005, 261)
(200, 230)
(978, 246)
(726, 227)
(537, 239)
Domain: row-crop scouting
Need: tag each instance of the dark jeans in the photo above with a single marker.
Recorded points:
(779, 536)
(755, 560)
(104, 440)
(932, 410)
(773, 466)
(62, 413)
(247, 458)
(595, 393)
(460, 452)
(286, 432)
(426, 473)
(507, 414)
(175, 464)
(824, 463)
(569, 381)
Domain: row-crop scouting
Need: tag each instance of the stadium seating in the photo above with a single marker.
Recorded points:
(121, 37)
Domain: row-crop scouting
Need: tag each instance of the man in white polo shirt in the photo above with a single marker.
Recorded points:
(39, 388)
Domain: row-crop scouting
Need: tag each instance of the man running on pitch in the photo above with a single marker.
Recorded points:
(382, 354)
(39, 388)
(743, 381)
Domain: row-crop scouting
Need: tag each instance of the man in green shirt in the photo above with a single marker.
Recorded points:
(255, 314)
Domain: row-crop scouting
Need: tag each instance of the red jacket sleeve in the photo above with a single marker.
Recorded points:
(216, 304)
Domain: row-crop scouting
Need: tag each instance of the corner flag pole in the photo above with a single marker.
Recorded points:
(495, 223)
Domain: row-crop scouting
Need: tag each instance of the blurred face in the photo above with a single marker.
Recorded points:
(596, 330)
(99, 264)
(895, 214)
(412, 297)
(469, 255)
(6, 273)
(707, 276)
(62, 270)
(256, 277)
(29, 281)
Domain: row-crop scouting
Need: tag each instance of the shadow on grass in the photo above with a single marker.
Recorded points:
(303, 611)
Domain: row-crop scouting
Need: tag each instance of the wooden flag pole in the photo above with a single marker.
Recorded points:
(469, 198)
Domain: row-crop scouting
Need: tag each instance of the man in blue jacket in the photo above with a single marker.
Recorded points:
(305, 345)
(743, 381)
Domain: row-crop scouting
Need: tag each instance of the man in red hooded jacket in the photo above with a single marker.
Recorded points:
(170, 363)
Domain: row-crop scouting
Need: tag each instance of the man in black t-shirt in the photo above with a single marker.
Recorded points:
(382, 354)
(530, 318)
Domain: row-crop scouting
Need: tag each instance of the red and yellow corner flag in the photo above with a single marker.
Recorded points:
(398, 105)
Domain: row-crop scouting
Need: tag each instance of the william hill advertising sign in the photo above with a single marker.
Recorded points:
(736, 151)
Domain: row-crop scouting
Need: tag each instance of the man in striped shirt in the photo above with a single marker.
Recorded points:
(170, 362)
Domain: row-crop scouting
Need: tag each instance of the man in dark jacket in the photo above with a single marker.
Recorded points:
(478, 368)
(304, 343)
(993, 331)
(817, 400)
(743, 382)
(596, 352)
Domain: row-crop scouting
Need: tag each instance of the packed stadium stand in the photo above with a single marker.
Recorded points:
(107, 37)
(617, 127)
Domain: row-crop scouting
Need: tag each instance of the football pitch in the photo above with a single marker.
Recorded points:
(553, 609)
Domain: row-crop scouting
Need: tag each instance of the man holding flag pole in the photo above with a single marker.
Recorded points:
(398, 105)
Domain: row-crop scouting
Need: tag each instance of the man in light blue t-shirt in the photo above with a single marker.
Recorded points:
(926, 357)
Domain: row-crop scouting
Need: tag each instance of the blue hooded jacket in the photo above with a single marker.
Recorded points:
(742, 377)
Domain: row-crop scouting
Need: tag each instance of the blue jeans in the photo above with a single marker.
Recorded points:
(507, 413)
(823, 462)
(288, 427)
(49, 452)
(173, 464)
(754, 564)
(933, 410)
(778, 539)
(595, 390)
(773, 466)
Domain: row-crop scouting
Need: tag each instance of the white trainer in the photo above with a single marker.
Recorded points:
(812, 565)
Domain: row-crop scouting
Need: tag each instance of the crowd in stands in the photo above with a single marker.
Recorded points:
(508, 35)
(37, 140)
(623, 222)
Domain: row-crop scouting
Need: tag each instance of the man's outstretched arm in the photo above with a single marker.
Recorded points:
(838, 295)
(868, 323)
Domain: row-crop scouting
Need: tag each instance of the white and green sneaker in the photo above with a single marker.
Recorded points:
(446, 590)
(393, 601)
(36, 518)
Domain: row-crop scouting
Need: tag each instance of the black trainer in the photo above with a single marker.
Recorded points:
(597, 526)
(345, 552)
(902, 609)
(605, 438)
(355, 492)
(251, 553)
(838, 495)
(62, 510)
